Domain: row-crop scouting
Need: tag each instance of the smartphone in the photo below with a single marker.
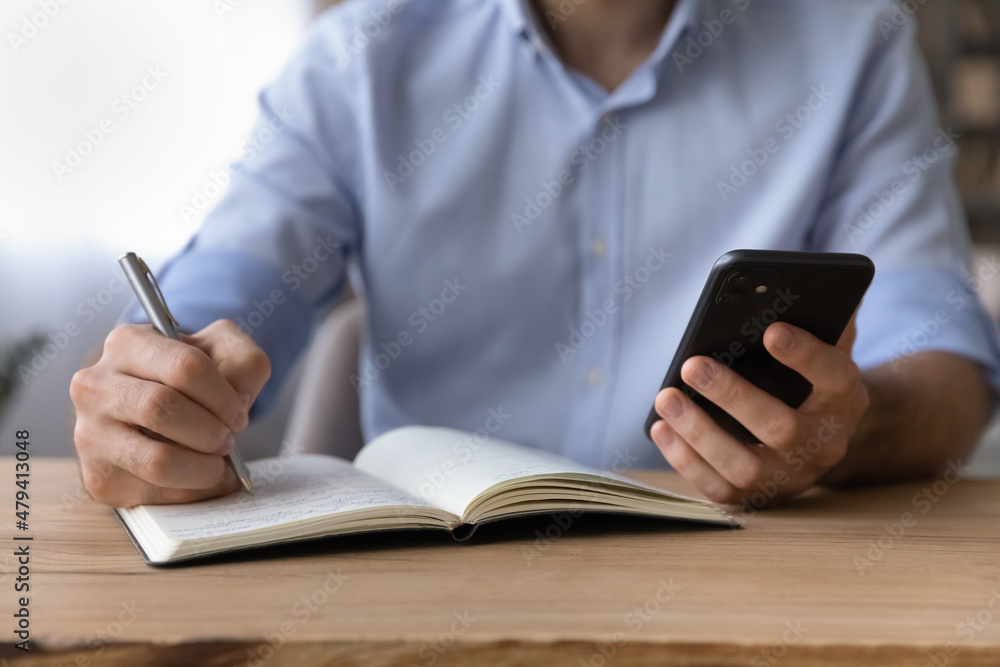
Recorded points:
(748, 290)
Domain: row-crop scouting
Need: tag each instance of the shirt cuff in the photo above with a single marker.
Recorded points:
(907, 311)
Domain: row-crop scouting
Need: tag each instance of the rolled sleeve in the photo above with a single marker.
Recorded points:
(908, 311)
(892, 196)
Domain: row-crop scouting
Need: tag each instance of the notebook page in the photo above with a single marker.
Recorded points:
(449, 468)
(305, 487)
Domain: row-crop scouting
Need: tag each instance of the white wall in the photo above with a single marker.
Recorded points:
(64, 69)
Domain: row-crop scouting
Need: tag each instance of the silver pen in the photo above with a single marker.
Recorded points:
(148, 292)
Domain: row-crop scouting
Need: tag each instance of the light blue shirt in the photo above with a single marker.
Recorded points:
(531, 247)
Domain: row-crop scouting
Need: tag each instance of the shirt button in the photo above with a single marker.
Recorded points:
(598, 247)
(594, 377)
(537, 44)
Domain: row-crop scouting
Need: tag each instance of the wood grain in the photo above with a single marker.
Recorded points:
(646, 593)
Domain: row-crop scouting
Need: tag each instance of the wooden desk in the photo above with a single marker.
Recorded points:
(785, 590)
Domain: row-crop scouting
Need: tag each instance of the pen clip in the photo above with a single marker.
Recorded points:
(156, 286)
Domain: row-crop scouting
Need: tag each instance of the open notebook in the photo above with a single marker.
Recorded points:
(413, 477)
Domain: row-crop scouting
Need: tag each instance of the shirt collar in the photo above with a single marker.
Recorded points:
(522, 22)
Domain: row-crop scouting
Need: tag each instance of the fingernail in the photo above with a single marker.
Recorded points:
(228, 444)
(671, 407)
(783, 338)
(702, 376)
(247, 400)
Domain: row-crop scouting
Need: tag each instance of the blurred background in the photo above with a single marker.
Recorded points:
(176, 82)
(121, 120)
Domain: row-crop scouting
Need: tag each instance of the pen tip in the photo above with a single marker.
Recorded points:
(247, 485)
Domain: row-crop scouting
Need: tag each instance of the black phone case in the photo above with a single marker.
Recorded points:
(816, 291)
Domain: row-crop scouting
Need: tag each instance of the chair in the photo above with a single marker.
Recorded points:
(325, 414)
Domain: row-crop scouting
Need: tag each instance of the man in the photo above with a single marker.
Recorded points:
(529, 197)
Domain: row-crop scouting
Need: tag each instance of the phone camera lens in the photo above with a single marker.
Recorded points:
(730, 298)
(740, 279)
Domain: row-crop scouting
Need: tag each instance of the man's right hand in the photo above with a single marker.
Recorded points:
(156, 416)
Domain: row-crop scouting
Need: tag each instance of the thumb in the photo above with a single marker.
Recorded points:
(239, 359)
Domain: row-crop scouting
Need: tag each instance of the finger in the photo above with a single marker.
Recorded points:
(159, 463)
(770, 419)
(169, 413)
(99, 391)
(242, 362)
(118, 488)
(738, 464)
(827, 367)
(142, 352)
(685, 460)
(846, 341)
